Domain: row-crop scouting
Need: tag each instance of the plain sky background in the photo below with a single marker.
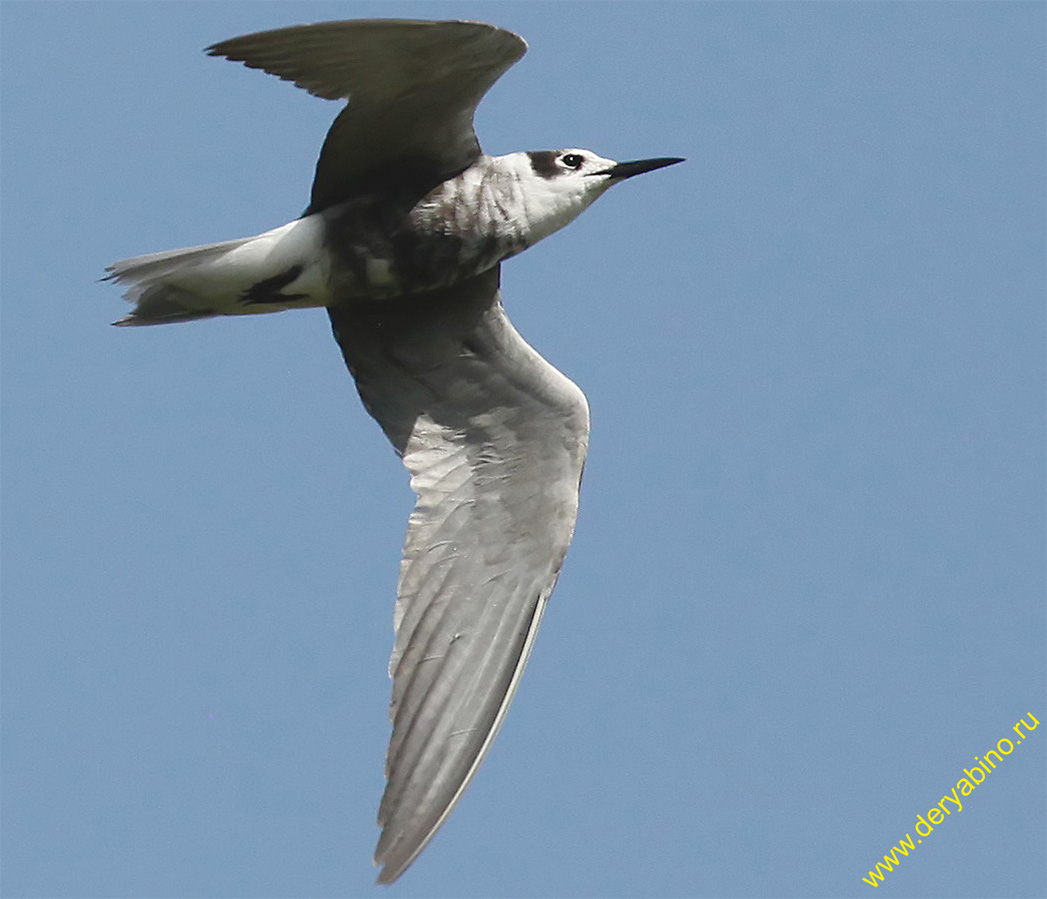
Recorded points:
(807, 586)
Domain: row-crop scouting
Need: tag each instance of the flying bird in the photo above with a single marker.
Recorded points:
(402, 242)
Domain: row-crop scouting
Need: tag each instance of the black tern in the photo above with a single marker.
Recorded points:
(402, 242)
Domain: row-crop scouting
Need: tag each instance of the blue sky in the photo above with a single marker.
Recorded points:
(807, 587)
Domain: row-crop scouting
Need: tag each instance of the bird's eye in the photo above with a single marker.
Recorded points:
(572, 160)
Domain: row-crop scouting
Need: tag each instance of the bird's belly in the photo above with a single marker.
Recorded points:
(371, 259)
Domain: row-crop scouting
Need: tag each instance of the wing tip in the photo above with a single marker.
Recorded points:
(386, 876)
(392, 867)
(395, 854)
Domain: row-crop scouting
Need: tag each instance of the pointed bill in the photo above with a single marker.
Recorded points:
(639, 166)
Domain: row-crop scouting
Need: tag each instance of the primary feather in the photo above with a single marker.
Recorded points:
(495, 439)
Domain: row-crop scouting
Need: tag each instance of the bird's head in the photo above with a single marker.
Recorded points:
(558, 185)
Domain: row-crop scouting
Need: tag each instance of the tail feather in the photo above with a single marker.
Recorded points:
(160, 305)
(157, 302)
(280, 269)
(156, 265)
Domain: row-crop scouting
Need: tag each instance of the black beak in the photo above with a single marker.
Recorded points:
(628, 169)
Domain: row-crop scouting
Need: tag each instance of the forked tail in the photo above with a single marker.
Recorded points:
(160, 283)
(281, 269)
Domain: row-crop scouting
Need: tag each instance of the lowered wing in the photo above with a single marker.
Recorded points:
(494, 438)
(412, 89)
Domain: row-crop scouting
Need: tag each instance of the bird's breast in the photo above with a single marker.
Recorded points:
(382, 247)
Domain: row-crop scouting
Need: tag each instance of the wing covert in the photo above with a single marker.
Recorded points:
(495, 440)
(412, 87)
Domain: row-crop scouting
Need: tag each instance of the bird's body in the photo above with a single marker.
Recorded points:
(389, 243)
(402, 242)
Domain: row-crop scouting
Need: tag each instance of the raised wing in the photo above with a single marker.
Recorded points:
(495, 439)
(413, 88)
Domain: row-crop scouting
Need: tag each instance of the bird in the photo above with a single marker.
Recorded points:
(402, 242)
